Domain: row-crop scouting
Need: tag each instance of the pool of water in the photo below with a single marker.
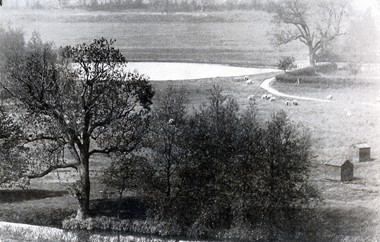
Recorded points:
(163, 71)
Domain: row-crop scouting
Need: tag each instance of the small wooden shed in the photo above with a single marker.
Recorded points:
(360, 152)
(339, 170)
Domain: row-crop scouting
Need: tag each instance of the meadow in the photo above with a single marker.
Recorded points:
(350, 209)
(235, 38)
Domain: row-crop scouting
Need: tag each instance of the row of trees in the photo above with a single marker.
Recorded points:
(215, 167)
(219, 167)
(158, 5)
(178, 5)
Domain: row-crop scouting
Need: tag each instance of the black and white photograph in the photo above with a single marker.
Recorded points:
(189, 120)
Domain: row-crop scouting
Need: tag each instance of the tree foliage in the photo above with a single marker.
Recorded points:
(315, 24)
(286, 63)
(233, 170)
(12, 162)
(72, 107)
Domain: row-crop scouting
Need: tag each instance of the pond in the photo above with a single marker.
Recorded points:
(163, 71)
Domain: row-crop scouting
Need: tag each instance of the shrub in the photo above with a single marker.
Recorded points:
(103, 223)
(354, 68)
(327, 68)
(307, 71)
(286, 63)
(322, 82)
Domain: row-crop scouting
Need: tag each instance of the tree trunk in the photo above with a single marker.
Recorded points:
(84, 188)
(311, 56)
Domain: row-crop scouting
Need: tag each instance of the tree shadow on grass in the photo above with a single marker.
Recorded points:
(10, 196)
(131, 208)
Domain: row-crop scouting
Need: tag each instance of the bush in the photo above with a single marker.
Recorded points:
(354, 68)
(286, 78)
(307, 71)
(103, 223)
(286, 63)
(327, 68)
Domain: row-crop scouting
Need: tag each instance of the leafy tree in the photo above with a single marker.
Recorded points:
(284, 185)
(237, 172)
(121, 175)
(92, 106)
(12, 163)
(316, 24)
(285, 63)
(165, 143)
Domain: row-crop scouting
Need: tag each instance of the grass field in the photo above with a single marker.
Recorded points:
(236, 38)
(350, 211)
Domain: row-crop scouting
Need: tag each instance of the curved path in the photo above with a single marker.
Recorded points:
(266, 85)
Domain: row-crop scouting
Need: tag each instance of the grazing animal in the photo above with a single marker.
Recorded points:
(295, 102)
(329, 97)
(288, 103)
(272, 99)
(251, 97)
(249, 81)
(264, 96)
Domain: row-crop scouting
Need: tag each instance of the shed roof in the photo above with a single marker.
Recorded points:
(337, 162)
(361, 145)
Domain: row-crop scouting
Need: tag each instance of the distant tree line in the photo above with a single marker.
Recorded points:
(178, 5)
(151, 5)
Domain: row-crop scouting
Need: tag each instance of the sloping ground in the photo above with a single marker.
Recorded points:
(353, 116)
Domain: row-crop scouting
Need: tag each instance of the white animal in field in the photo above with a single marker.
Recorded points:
(272, 99)
(251, 97)
(264, 96)
(295, 102)
(249, 81)
(246, 78)
(171, 121)
(288, 103)
(329, 97)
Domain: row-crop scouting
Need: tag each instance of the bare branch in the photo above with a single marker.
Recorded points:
(52, 168)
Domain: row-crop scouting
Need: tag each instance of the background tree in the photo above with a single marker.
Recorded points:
(361, 42)
(315, 24)
(165, 142)
(71, 107)
(285, 63)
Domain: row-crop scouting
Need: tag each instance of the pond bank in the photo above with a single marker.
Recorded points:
(25, 232)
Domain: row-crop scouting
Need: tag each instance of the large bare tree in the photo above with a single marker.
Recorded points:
(315, 23)
(91, 106)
